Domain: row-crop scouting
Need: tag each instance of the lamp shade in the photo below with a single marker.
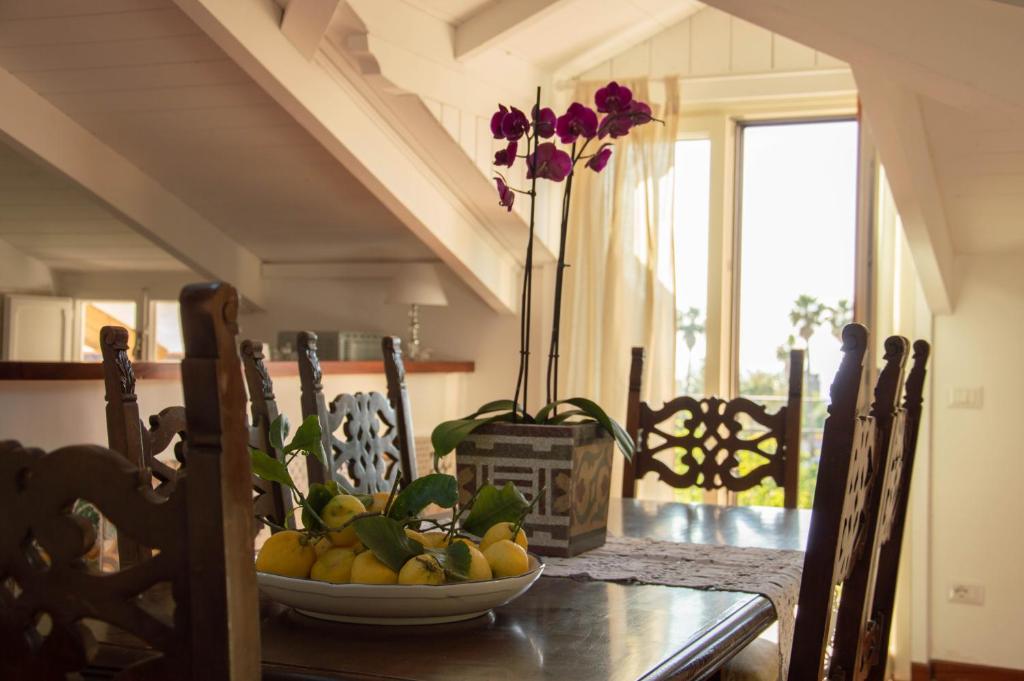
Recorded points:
(417, 285)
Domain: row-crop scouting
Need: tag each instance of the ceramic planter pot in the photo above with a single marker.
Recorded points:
(572, 463)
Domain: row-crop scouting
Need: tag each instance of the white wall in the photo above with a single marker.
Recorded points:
(20, 273)
(977, 466)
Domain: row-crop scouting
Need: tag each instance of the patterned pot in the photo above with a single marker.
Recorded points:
(572, 463)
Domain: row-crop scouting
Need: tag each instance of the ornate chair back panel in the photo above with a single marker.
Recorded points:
(854, 629)
(837, 531)
(367, 436)
(200, 528)
(714, 443)
(871, 659)
(366, 456)
(270, 500)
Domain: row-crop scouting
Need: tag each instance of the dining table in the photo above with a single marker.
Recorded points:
(562, 628)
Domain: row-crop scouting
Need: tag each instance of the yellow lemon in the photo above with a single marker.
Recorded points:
(334, 566)
(380, 499)
(502, 531)
(468, 542)
(416, 536)
(507, 559)
(286, 553)
(422, 569)
(435, 540)
(322, 546)
(479, 568)
(367, 569)
(336, 513)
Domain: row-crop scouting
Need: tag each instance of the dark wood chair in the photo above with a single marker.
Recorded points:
(201, 528)
(377, 446)
(142, 446)
(714, 433)
(862, 636)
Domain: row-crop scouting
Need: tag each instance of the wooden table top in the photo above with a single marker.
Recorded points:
(564, 629)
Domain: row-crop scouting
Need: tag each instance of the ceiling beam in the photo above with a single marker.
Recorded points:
(340, 111)
(497, 22)
(893, 114)
(337, 270)
(967, 54)
(34, 125)
(305, 22)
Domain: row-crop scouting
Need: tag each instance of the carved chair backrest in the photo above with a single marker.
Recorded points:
(875, 622)
(376, 445)
(838, 521)
(852, 637)
(142, 446)
(201, 528)
(270, 500)
(711, 433)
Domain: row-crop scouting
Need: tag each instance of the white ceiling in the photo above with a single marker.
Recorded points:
(452, 12)
(141, 77)
(48, 217)
(979, 164)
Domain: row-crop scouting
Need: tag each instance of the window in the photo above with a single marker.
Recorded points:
(94, 315)
(797, 244)
(693, 187)
(168, 343)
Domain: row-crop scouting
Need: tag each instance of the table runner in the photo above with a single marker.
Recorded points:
(773, 573)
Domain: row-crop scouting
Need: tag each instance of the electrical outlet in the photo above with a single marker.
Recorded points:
(965, 398)
(967, 594)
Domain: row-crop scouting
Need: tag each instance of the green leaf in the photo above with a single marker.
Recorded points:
(456, 561)
(591, 408)
(319, 495)
(435, 488)
(448, 434)
(566, 415)
(307, 439)
(493, 506)
(270, 469)
(278, 432)
(388, 541)
(496, 405)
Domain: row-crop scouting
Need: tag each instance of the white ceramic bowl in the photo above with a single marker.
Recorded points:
(397, 603)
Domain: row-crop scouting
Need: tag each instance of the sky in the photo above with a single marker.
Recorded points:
(797, 231)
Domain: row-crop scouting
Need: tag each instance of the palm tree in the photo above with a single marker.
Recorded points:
(686, 322)
(840, 316)
(807, 315)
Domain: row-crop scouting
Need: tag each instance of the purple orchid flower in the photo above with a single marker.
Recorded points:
(514, 125)
(551, 163)
(615, 125)
(578, 120)
(506, 197)
(613, 98)
(496, 120)
(506, 156)
(639, 112)
(599, 160)
(544, 122)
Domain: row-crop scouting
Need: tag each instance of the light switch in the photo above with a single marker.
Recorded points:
(965, 398)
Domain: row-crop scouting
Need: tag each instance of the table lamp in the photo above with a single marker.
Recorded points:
(416, 285)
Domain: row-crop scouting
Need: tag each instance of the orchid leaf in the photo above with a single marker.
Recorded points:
(448, 434)
(591, 408)
(496, 405)
(494, 506)
(566, 415)
(387, 539)
(435, 488)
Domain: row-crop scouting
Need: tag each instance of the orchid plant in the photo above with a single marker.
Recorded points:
(585, 135)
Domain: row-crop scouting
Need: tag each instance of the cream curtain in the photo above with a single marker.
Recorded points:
(620, 287)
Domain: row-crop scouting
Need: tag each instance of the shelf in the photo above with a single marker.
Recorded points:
(93, 371)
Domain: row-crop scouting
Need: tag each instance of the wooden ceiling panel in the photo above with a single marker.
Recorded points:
(95, 28)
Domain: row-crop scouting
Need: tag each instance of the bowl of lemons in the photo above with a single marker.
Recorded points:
(409, 555)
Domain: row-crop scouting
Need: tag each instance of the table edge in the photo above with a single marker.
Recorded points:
(732, 632)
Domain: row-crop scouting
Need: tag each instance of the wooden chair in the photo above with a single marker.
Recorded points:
(714, 435)
(201, 527)
(142, 446)
(369, 458)
(862, 636)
